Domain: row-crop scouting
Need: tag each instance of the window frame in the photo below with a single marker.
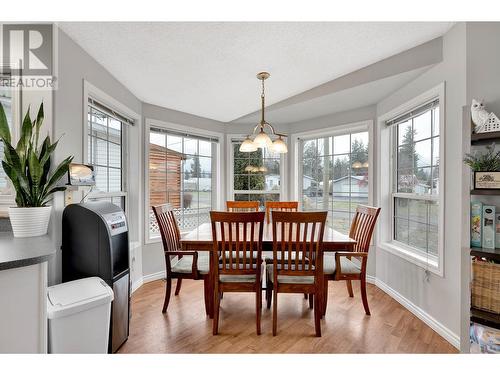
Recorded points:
(338, 130)
(230, 172)
(92, 92)
(217, 199)
(9, 200)
(386, 193)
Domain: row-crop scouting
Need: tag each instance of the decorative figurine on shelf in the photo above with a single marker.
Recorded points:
(483, 120)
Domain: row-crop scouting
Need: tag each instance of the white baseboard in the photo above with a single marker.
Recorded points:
(136, 285)
(153, 276)
(371, 279)
(444, 332)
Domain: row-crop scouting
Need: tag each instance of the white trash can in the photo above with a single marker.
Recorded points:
(79, 314)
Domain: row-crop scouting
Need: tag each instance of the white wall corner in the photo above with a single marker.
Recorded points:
(438, 327)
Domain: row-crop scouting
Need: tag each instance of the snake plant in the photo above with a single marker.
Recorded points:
(28, 164)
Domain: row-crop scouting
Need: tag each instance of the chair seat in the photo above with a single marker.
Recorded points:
(286, 279)
(185, 264)
(237, 278)
(268, 256)
(347, 266)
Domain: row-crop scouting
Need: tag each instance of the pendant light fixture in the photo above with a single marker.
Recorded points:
(262, 139)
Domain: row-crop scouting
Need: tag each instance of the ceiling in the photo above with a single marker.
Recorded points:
(208, 69)
(356, 97)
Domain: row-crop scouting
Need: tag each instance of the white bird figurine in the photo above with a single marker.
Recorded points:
(483, 121)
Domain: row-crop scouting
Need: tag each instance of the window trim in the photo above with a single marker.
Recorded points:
(9, 200)
(385, 186)
(217, 199)
(336, 130)
(230, 172)
(91, 91)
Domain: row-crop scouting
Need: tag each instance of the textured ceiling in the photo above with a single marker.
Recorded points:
(359, 96)
(208, 69)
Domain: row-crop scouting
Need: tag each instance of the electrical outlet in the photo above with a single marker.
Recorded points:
(68, 197)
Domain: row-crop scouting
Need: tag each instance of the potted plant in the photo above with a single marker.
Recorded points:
(27, 165)
(486, 168)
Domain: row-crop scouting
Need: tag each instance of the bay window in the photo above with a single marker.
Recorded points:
(333, 175)
(416, 189)
(257, 176)
(106, 151)
(181, 170)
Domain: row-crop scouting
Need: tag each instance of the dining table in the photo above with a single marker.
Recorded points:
(200, 239)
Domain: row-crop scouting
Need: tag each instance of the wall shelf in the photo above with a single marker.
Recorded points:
(484, 138)
(485, 192)
(484, 317)
(485, 253)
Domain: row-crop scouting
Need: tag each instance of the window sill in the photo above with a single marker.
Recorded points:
(412, 257)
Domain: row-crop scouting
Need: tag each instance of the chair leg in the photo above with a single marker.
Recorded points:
(349, 288)
(275, 311)
(216, 311)
(206, 294)
(363, 295)
(325, 296)
(168, 290)
(305, 296)
(317, 316)
(221, 295)
(258, 308)
(269, 294)
(178, 287)
(311, 300)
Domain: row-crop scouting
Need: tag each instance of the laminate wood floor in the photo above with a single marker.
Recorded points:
(346, 329)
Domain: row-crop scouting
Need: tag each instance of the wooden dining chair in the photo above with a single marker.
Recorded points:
(297, 259)
(341, 267)
(179, 264)
(237, 257)
(242, 206)
(280, 206)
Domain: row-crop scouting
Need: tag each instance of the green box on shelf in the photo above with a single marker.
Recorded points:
(476, 219)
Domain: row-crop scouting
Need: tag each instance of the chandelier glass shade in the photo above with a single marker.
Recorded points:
(262, 139)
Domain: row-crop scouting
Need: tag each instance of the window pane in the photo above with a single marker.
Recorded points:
(435, 126)
(241, 182)
(405, 134)
(205, 148)
(115, 155)
(115, 180)
(418, 210)
(406, 154)
(423, 153)
(188, 179)
(100, 156)
(433, 240)
(309, 150)
(174, 143)
(101, 178)
(190, 146)
(401, 207)
(401, 230)
(422, 126)
(435, 151)
(341, 144)
(418, 235)
(341, 221)
(272, 182)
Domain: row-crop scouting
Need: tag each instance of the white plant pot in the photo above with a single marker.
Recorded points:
(29, 221)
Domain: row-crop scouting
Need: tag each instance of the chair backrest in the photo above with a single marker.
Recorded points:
(237, 242)
(242, 206)
(280, 206)
(362, 227)
(170, 234)
(297, 240)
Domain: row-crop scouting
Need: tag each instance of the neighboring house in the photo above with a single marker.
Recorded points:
(356, 185)
(164, 187)
(272, 182)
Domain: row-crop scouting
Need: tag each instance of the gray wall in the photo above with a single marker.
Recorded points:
(75, 66)
(439, 296)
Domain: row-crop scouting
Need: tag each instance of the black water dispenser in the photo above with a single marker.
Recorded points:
(95, 243)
